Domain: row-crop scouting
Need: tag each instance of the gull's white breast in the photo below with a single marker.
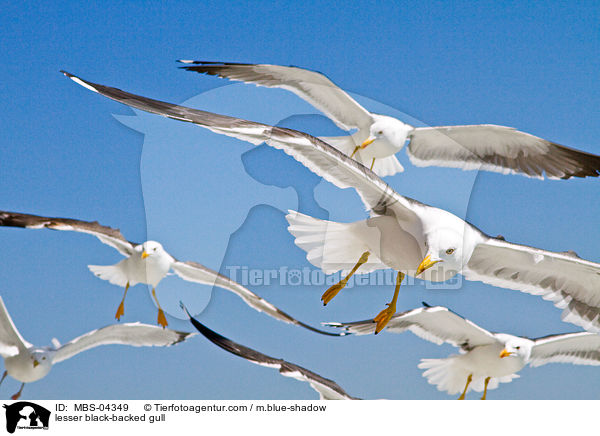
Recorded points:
(485, 361)
(20, 367)
(150, 270)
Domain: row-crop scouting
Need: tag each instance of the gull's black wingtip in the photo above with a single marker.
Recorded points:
(426, 304)
(199, 326)
(211, 335)
(66, 73)
(184, 309)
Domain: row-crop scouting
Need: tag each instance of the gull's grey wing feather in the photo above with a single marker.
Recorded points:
(132, 334)
(316, 155)
(11, 341)
(312, 86)
(106, 235)
(571, 283)
(195, 272)
(500, 149)
(436, 324)
(582, 348)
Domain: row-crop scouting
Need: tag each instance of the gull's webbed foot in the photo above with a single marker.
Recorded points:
(386, 314)
(121, 308)
(18, 394)
(384, 317)
(332, 292)
(162, 319)
(120, 311)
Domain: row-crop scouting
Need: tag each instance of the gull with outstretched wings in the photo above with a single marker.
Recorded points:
(486, 359)
(27, 363)
(147, 263)
(379, 137)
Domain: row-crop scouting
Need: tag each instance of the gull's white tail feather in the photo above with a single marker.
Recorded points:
(332, 246)
(113, 273)
(449, 375)
(387, 166)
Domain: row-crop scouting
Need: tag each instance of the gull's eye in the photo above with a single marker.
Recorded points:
(380, 132)
(517, 348)
(43, 358)
(450, 251)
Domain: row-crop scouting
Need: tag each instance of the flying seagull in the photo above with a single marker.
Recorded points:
(401, 233)
(486, 358)
(27, 363)
(146, 263)
(379, 137)
(327, 389)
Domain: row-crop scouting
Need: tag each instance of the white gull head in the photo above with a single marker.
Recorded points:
(387, 135)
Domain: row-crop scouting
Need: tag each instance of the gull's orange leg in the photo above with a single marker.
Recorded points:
(18, 394)
(487, 380)
(469, 380)
(121, 309)
(355, 150)
(162, 319)
(372, 163)
(333, 290)
(386, 314)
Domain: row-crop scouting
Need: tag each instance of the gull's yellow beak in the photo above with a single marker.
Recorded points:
(144, 254)
(367, 141)
(426, 264)
(35, 363)
(504, 353)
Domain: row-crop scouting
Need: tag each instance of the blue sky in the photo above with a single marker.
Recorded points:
(533, 67)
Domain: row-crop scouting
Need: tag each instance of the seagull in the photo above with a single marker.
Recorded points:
(379, 137)
(146, 263)
(27, 363)
(327, 389)
(486, 358)
(401, 233)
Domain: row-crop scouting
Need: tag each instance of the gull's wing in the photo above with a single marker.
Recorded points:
(436, 324)
(11, 341)
(581, 348)
(313, 153)
(327, 389)
(133, 334)
(571, 283)
(309, 85)
(500, 149)
(107, 235)
(195, 272)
